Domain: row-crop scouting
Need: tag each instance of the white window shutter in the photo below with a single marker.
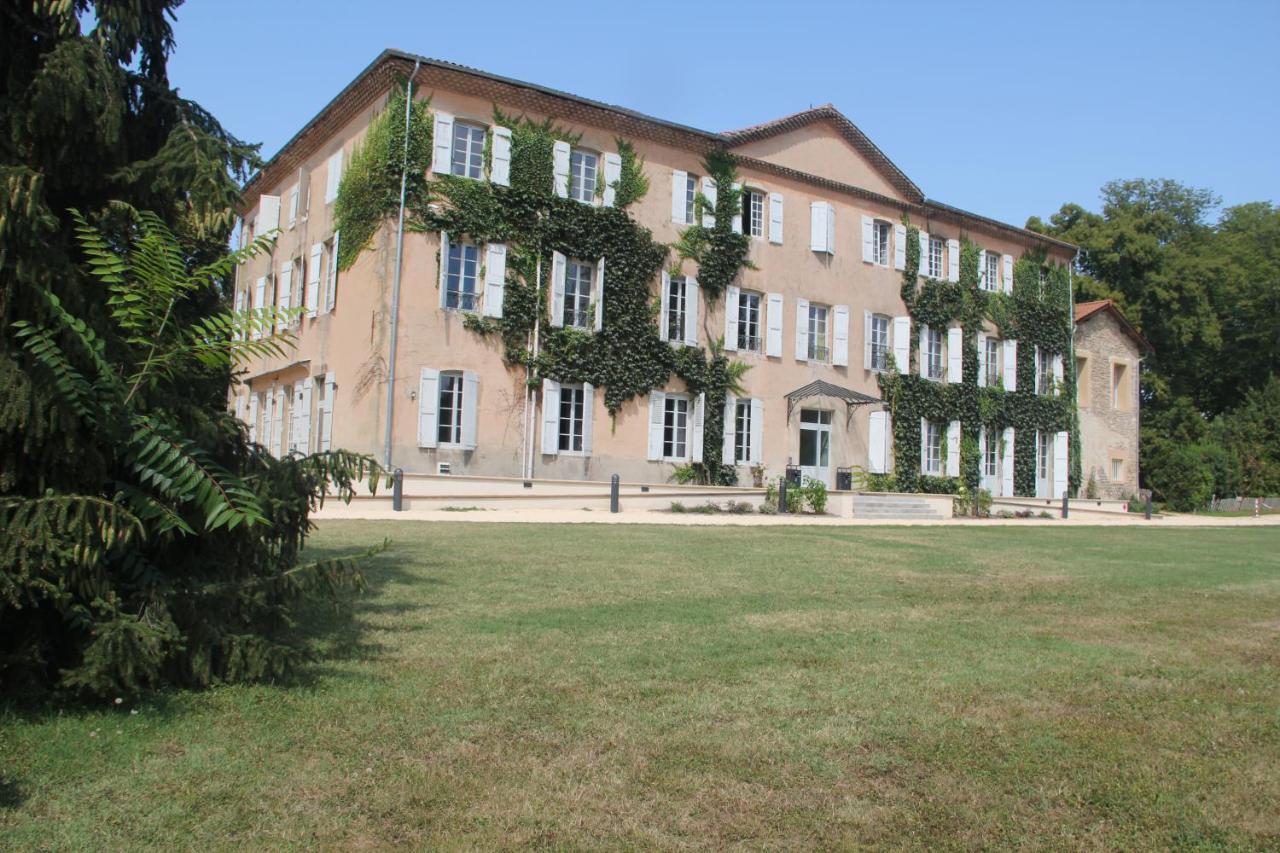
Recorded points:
(313, 279)
(444, 265)
(560, 163)
(277, 423)
(470, 408)
(877, 442)
(982, 360)
(902, 344)
(802, 330)
(599, 295)
(495, 278)
(679, 185)
(259, 296)
(428, 407)
(840, 340)
(588, 416)
(558, 271)
(982, 272)
(664, 299)
(500, 156)
(899, 247)
(818, 226)
(284, 294)
(657, 412)
(1011, 365)
(1061, 441)
(699, 421)
(303, 441)
(923, 242)
(737, 217)
(924, 350)
(335, 177)
(953, 449)
(268, 404)
(866, 339)
(1007, 262)
(709, 193)
(612, 173)
(240, 407)
(831, 229)
(773, 326)
(1006, 463)
(691, 294)
(955, 353)
(953, 260)
(550, 417)
(868, 240)
(268, 214)
(757, 431)
(727, 430)
(1057, 375)
(253, 417)
(775, 218)
(293, 205)
(924, 446)
(442, 144)
(326, 425)
(331, 289)
(731, 318)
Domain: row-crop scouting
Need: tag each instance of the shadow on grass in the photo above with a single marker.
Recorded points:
(11, 795)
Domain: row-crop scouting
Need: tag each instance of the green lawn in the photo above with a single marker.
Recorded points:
(621, 686)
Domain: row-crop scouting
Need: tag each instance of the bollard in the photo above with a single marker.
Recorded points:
(613, 493)
(1066, 504)
(782, 495)
(397, 490)
(1148, 509)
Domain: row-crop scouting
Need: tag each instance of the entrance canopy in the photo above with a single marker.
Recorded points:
(819, 388)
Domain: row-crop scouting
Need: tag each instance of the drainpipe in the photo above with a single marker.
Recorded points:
(395, 281)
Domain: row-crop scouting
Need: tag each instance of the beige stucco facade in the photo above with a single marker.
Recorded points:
(344, 350)
(1108, 363)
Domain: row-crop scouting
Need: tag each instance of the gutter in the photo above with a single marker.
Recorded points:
(395, 281)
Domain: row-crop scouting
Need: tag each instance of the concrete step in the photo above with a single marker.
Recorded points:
(894, 507)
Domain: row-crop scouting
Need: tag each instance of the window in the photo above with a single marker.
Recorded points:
(993, 362)
(991, 273)
(991, 458)
(330, 295)
(933, 354)
(583, 168)
(749, 321)
(1044, 372)
(819, 345)
(932, 442)
(690, 193)
(1042, 455)
(677, 306)
(753, 202)
(1117, 470)
(577, 294)
(742, 431)
(880, 242)
(571, 413)
(937, 250)
(1119, 386)
(460, 278)
(675, 427)
(449, 424)
(468, 150)
(1082, 381)
(879, 342)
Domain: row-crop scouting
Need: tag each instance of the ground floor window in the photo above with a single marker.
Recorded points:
(742, 431)
(931, 440)
(675, 428)
(1042, 455)
(449, 425)
(815, 439)
(571, 413)
(991, 457)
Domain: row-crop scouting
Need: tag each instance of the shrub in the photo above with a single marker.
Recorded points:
(768, 508)
(739, 507)
(815, 495)
(678, 507)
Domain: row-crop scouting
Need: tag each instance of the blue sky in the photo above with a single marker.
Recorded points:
(1005, 109)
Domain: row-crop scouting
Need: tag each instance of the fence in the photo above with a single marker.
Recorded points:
(1271, 504)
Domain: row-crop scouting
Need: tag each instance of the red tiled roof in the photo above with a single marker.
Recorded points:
(1085, 310)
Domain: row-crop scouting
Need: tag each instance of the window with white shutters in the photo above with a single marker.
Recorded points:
(468, 150)
(880, 242)
(991, 457)
(690, 196)
(931, 442)
(742, 450)
(577, 294)
(449, 410)
(572, 418)
(749, 321)
(677, 305)
(879, 342)
(933, 354)
(1044, 372)
(991, 271)
(993, 372)
(675, 427)
(819, 333)
(584, 169)
(753, 204)
(937, 250)
(461, 276)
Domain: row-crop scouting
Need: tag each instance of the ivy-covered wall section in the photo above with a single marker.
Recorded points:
(1036, 314)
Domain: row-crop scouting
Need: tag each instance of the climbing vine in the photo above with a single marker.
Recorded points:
(1036, 314)
(719, 251)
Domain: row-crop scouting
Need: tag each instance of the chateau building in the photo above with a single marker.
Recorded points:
(817, 315)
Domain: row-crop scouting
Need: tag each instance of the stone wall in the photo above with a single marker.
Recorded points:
(1108, 416)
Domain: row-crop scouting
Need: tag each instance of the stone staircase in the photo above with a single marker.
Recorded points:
(899, 507)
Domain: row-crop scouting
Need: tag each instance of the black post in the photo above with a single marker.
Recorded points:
(613, 493)
(1148, 507)
(1066, 504)
(782, 495)
(397, 490)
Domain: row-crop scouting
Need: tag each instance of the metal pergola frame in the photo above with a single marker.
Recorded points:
(820, 388)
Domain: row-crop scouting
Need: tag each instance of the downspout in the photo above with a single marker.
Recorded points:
(395, 281)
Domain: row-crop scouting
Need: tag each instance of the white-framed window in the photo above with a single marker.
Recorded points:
(994, 347)
(461, 276)
(690, 194)
(879, 343)
(1117, 470)
(449, 412)
(468, 150)
(753, 205)
(931, 441)
(577, 294)
(584, 168)
(677, 307)
(1043, 455)
(819, 340)
(572, 403)
(880, 231)
(991, 274)
(675, 427)
(991, 455)
(937, 251)
(1044, 372)
(933, 359)
(749, 321)
(742, 431)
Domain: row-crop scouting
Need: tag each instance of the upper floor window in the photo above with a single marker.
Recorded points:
(880, 231)
(468, 150)
(937, 250)
(460, 278)
(991, 272)
(933, 354)
(993, 362)
(1044, 372)
(677, 307)
(742, 431)
(577, 294)
(753, 202)
(690, 195)
(449, 418)
(583, 170)
(931, 442)
(819, 344)
(1120, 386)
(879, 342)
(572, 398)
(749, 321)
(675, 427)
